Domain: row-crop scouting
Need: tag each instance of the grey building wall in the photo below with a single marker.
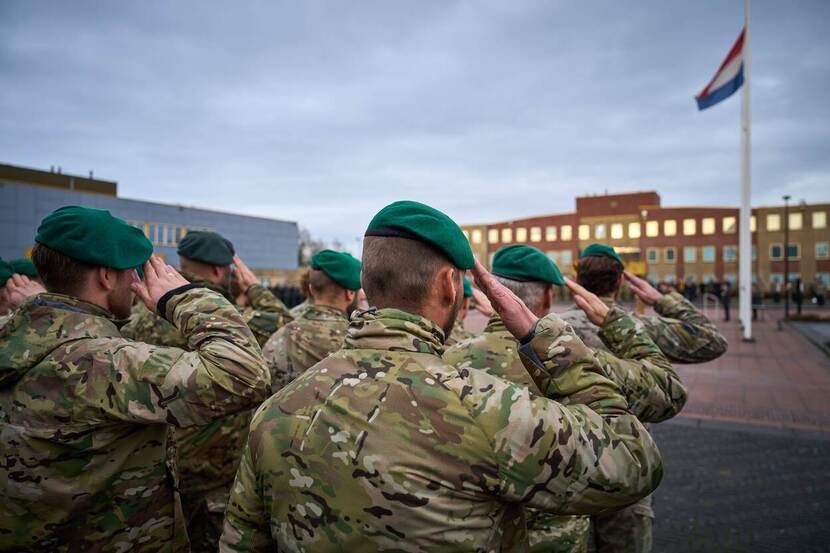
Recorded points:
(262, 243)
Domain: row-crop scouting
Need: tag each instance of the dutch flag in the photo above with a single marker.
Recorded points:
(728, 79)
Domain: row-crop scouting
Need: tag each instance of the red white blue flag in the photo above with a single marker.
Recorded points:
(728, 79)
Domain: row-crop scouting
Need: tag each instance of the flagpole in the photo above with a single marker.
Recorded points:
(745, 255)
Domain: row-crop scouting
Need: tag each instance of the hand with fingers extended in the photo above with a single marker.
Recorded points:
(594, 308)
(19, 287)
(517, 318)
(642, 289)
(159, 278)
(245, 277)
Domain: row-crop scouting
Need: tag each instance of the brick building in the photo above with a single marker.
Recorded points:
(670, 244)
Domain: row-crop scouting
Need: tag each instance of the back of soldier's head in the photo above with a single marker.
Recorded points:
(532, 293)
(599, 275)
(60, 273)
(321, 287)
(529, 273)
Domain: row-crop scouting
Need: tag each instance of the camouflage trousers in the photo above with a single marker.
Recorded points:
(549, 533)
(205, 512)
(625, 531)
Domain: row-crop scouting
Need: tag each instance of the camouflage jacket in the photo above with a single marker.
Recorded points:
(458, 334)
(84, 416)
(209, 455)
(683, 334)
(319, 331)
(383, 446)
(297, 311)
(653, 390)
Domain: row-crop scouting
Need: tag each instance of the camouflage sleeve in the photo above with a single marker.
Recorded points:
(146, 326)
(267, 313)
(277, 358)
(223, 373)
(647, 380)
(684, 334)
(246, 526)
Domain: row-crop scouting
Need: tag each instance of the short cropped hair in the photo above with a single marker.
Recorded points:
(60, 274)
(531, 293)
(321, 285)
(399, 272)
(599, 274)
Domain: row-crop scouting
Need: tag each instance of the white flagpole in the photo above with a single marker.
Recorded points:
(745, 256)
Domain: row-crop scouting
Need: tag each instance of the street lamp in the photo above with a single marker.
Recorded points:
(786, 258)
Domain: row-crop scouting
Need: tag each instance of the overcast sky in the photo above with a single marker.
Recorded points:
(323, 112)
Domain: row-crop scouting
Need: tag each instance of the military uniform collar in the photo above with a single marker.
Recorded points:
(395, 330)
(495, 324)
(72, 304)
(324, 313)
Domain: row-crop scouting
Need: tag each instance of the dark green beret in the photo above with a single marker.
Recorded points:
(207, 247)
(468, 288)
(24, 266)
(341, 267)
(6, 271)
(94, 236)
(416, 221)
(600, 250)
(526, 264)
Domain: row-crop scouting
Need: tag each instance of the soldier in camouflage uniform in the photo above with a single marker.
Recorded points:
(681, 332)
(86, 464)
(459, 333)
(653, 390)
(209, 455)
(298, 310)
(383, 446)
(333, 283)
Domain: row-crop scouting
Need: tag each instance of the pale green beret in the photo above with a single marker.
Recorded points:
(468, 288)
(94, 236)
(207, 247)
(341, 267)
(601, 250)
(6, 272)
(526, 264)
(24, 266)
(416, 221)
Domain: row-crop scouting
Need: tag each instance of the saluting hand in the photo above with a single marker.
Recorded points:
(159, 278)
(517, 318)
(244, 276)
(642, 289)
(18, 288)
(594, 308)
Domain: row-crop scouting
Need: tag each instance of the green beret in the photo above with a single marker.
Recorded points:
(24, 266)
(6, 271)
(416, 221)
(599, 250)
(94, 236)
(341, 267)
(526, 264)
(468, 288)
(207, 247)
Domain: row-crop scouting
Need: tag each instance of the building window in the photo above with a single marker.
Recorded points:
(550, 234)
(689, 227)
(730, 254)
(616, 231)
(493, 236)
(553, 255)
(669, 227)
(584, 232)
(708, 277)
(689, 254)
(822, 250)
(476, 236)
(819, 219)
(567, 257)
(651, 255)
(729, 225)
(707, 225)
(566, 232)
(773, 221)
(652, 229)
(599, 232)
(823, 277)
(753, 223)
(506, 235)
(535, 234)
(794, 250)
(796, 221)
(776, 251)
(669, 255)
(708, 254)
(633, 230)
(754, 252)
(776, 278)
(521, 234)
